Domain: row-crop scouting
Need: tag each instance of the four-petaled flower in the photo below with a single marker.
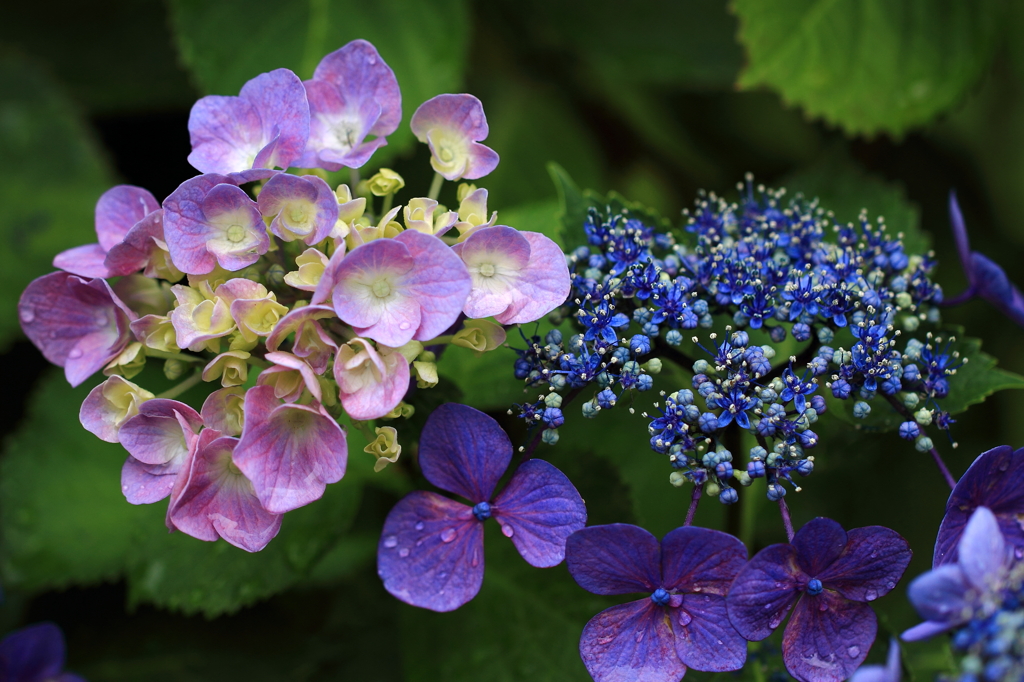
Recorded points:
(35, 654)
(431, 548)
(830, 575)
(683, 622)
(453, 126)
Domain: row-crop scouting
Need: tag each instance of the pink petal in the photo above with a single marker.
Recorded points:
(283, 191)
(226, 134)
(280, 100)
(118, 210)
(85, 261)
(148, 483)
(185, 226)
(439, 282)
(289, 362)
(134, 253)
(544, 284)
(162, 431)
(631, 643)
(360, 74)
(495, 258)
(223, 410)
(371, 392)
(431, 552)
(464, 113)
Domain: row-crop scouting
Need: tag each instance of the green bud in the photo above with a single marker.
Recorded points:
(275, 276)
(911, 322)
(712, 489)
(904, 300)
(923, 444)
(769, 351)
(553, 400)
(701, 367)
(385, 182)
(742, 477)
(549, 436)
(923, 417)
(677, 479)
(653, 366)
(911, 400)
(173, 369)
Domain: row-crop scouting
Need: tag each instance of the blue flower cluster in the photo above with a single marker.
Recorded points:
(850, 297)
(992, 643)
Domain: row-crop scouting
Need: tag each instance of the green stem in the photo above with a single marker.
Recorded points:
(175, 391)
(386, 206)
(353, 177)
(435, 186)
(169, 355)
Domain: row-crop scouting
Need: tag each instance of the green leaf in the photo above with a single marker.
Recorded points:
(227, 43)
(52, 175)
(978, 378)
(845, 189)
(869, 66)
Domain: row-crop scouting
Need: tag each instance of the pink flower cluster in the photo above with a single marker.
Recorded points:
(300, 300)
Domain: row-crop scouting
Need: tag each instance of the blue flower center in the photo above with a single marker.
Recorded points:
(660, 597)
(814, 586)
(482, 511)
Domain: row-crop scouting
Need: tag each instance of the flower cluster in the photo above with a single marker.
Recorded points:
(304, 302)
(767, 269)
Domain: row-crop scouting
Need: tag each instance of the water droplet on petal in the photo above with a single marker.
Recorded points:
(390, 541)
(475, 561)
(442, 575)
(874, 555)
(448, 534)
(420, 542)
(853, 651)
(419, 525)
(822, 605)
(774, 621)
(404, 552)
(1018, 552)
(75, 353)
(684, 618)
(871, 595)
(404, 326)
(767, 607)
(102, 319)
(27, 315)
(1004, 465)
(508, 531)
(639, 636)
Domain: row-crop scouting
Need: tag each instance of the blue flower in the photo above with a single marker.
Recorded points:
(34, 654)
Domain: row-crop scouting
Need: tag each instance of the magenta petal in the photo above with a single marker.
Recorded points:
(215, 502)
(544, 283)
(85, 261)
(375, 390)
(289, 452)
(618, 558)
(118, 210)
(464, 451)
(539, 509)
(226, 134)
(764, 590)
(705, 639)
(870, 566)
(294, 321)
(631, 643)
(439, 282)
(995, 480)
(482, 160)
(701, 560)
(360, 74)
(32, 654)
(148, 483)
(827, 638)
(162, 431)
(431, 552)
(818, 543)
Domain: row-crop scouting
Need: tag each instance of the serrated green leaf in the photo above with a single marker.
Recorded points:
(227, 43)
(52, 175)
(869, 66)
(977, 378)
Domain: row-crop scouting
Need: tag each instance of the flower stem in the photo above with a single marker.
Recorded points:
(905, 413)
(538, 430)
(353, 177)
(435, 186)
(786, 521)
(694, 500)
(169, 355)
(386, 205)
(175, 391)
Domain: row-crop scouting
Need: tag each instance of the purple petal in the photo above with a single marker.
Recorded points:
(705, 639)
(764, 590)
(963, 245)
(85, 261)
(431, 552)
(162, 431)
(827, 638)
(439, 282)
(982, 551)
(464, 113)
(464, 451)
(544, 284)
(941, 594)
(995, 480)
(32, 654)
(818, 544)
(631, 643)
(302, 207)
(109, 405)
(370, 384)
(870, 566)
(118, 210)
(185, 227)
(216, 502)
(289, 452)
(76, 324)
(890, 672)
(148, 483)
(294, 320)
(360, 74)
(614, 559)
(539, 509)
(495, 258)
(701, 560)
(223, 410)
(280, 100)
(138, 247)
(236, 234)
(926, 630)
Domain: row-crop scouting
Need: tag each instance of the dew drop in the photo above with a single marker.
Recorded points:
(404, 326)
(390, 541)
(871, 595)
(475, 561)
(75, 353)
(508, 531)
(1004, 465)
(823, 605)
(767, 607)
(442, 575)
(1018, 552)
(448, 534)
(778, 585)
(441, 592)
(774, 621)
(874, 555)
(419, 525)
(419, 542)
(404, 552)
(102, 319)
(853, 651)
(27, 315)
(684, 617)
(889, 585)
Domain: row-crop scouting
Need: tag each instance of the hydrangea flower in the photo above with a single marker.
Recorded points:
(682, 622)
(302, 207)
(890, 672)
(371, 381)
(985, 279)
(108, 406)
(35, 654)
(453, 126)
(951, 594)
(159, 441)
(352, 94)
(517, 276)
(118, 210)
(830, 576)
(431, 547)
(264, 127)
(994, 480)
(78, 324)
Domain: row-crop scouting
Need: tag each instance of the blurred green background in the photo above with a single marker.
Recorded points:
(883, 104)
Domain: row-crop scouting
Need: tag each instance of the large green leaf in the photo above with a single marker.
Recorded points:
(977, 378)
(227, 43)
(51, 176)
(869, 66)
